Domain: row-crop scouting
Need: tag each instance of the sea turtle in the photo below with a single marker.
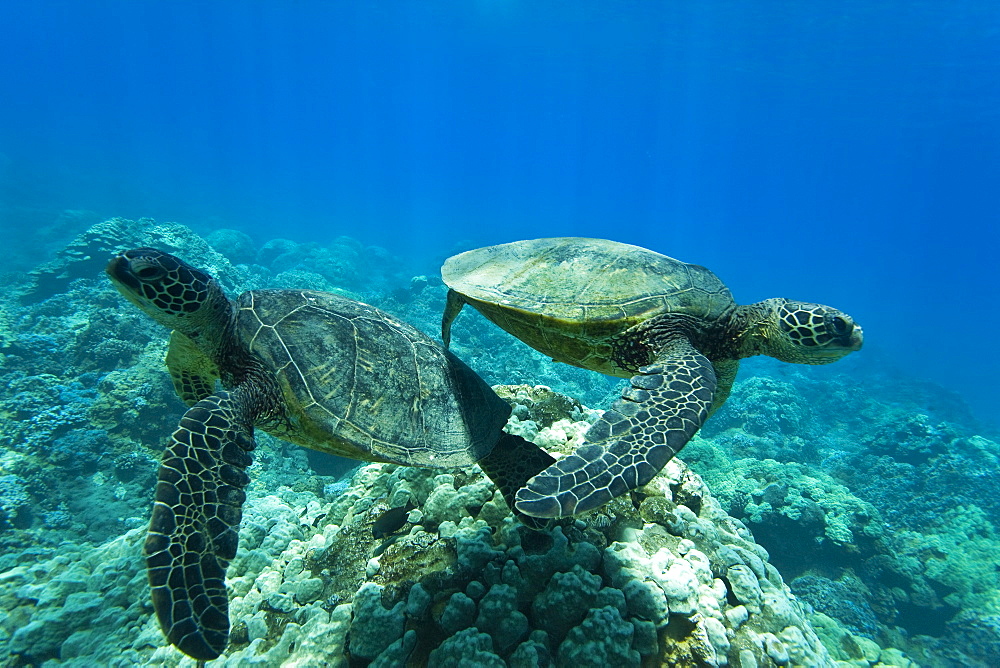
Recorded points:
(622, 310)
(313, 368)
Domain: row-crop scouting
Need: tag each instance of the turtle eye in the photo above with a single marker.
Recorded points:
(841, 326)
(149, 272)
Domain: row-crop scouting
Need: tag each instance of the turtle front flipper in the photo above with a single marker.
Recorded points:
(194, 529)
(191, 370)
(666, 404)
(512, 462)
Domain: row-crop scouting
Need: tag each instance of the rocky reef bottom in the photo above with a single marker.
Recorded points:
(397, 566)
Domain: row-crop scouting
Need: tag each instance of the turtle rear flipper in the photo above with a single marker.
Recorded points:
(666, 404)
(194, 529)
(512, 462)
(453, 306)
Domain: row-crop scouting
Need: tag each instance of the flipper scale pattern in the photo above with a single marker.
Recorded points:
(657, 415)
(193, 532)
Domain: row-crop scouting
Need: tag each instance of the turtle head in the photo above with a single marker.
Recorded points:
(169, 290)
(806, 333)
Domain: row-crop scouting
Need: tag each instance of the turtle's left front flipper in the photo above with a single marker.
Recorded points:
(194, 528)
(667, 403)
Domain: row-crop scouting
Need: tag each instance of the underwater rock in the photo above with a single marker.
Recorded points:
(765, 407)
(782, 502)
(65, 606)
(459, 613)
(910, 539)
(602, 639)
(468, 647)
(844, 601)
(15, 503)
(234, 244)
(273, 249)
(345, 264)
(498, 616)
(543, 405)
(300, 279)
(374, 627)
(913, 440)
(978, 635)
(86, 256)
(853, 650)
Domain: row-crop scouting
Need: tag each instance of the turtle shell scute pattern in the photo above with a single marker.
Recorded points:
(582, 280)
(361, 384)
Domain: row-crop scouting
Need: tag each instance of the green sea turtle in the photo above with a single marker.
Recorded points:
(312, 368)
(622, 310)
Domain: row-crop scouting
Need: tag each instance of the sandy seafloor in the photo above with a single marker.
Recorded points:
(840, 515)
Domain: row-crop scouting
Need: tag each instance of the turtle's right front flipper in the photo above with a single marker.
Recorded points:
(194, 528)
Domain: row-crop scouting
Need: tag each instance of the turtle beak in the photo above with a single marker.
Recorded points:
(849, 343)
(114, 268)
(119, 270)
(857, 338)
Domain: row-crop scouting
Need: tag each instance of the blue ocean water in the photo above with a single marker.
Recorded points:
(844, 153)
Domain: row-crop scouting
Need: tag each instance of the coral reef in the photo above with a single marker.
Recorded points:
(86, 403)
(35, 234)
(345, 264)
(874, 495)
(664, 578)
(892, 517)
(237, 246)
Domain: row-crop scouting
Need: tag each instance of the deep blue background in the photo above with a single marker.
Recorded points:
(846, 153)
